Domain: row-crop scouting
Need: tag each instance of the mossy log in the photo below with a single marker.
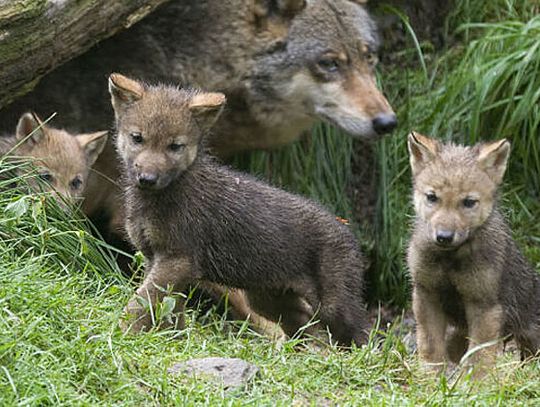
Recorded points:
(38, 35)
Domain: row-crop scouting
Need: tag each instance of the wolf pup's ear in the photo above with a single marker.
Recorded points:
(31, 128)
(124, 91)
(93, 144)
(493, 158)
(422, 150)
(206, 108)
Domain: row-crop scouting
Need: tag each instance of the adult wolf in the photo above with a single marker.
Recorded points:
(282, 64)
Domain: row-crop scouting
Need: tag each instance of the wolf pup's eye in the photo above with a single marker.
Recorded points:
(431, 197)
(136, 137)
(175, 147)
(328, 64)
(469, 202)
(46, 176)
(75, 183)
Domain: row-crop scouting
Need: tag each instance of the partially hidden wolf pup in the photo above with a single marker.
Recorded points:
(196, 220)
(467, 271)
(63, 160)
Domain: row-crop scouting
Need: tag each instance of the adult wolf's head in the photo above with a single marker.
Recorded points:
(320, 65)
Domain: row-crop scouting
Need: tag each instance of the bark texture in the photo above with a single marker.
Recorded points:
(36, 36)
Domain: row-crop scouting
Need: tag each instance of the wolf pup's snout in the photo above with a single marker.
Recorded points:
(445, 237)
(147, 179)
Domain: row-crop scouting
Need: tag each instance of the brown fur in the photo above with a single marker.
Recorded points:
(63, 160)
(196, 220)
(467, 271)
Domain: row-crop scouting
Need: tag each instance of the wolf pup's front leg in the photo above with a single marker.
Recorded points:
(485, 323)
(148, 307)
(430, 327)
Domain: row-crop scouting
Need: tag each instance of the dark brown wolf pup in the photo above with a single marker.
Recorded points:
(196, 220)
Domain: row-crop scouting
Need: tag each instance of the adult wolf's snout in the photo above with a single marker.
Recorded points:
(384, 123)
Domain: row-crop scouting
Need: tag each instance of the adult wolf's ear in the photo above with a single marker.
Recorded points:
(291, 7)
(124, 91)
(285, 8)
(93, 144)
(422, 150)
(206, 108)
(493, 158)
(30, 128)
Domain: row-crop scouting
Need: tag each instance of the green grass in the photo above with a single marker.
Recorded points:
(487, 89)
(60, 301)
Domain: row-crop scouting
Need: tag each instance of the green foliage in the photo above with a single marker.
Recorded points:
(61, 299)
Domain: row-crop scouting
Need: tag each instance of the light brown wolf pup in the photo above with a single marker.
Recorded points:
(63, 160)
(467, 271)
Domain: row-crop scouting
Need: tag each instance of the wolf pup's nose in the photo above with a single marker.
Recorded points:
(445, 237)
(147, 179)
(384, 123)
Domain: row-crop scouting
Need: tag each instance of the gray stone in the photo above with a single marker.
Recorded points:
(232, 372)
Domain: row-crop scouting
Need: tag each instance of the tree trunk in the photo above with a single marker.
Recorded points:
(36, 36)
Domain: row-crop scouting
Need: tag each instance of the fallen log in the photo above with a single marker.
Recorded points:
(36, 36)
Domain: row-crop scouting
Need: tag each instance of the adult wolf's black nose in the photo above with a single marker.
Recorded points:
(147, 179)
(384, 123)
(445, 236)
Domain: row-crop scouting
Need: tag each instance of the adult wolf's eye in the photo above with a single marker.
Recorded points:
(176, 147)
(431, 197)
(46, 176)
(469, 202)
(372, 59)
(76, 182)
(136, 137)
(328, 64)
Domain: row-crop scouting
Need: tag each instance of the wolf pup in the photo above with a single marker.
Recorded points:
(64, 160)
(196, 220)
(467, 271)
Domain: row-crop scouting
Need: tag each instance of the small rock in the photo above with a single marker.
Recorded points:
(232, 372)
